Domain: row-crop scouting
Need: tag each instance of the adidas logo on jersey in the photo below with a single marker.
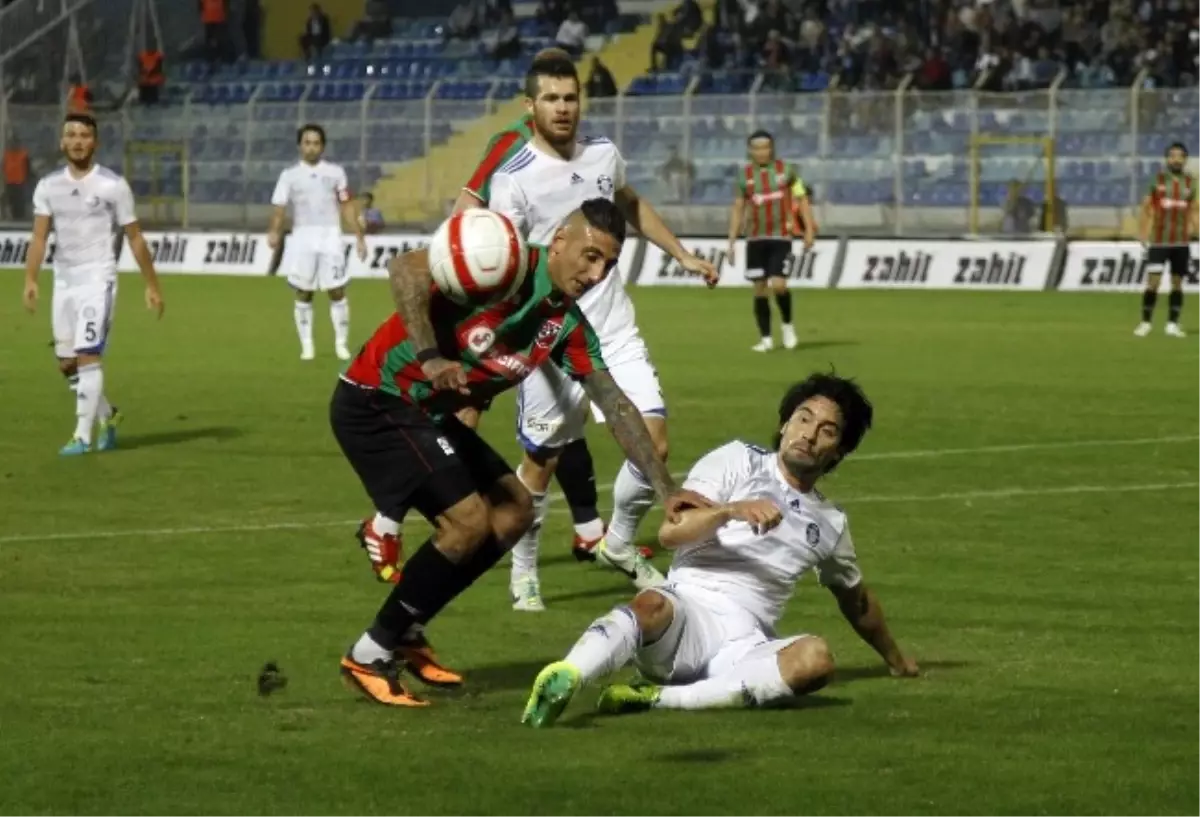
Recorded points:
(576, 178)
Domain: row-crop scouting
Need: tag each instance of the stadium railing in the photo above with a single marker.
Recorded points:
(877, 162)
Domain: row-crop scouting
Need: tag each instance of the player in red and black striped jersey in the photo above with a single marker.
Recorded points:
(774, 194)
(393, 416)
(1168, 225)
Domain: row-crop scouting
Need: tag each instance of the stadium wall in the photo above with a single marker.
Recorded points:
(849, 263)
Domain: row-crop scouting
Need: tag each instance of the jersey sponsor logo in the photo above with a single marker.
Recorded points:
(605, 184)
(480, 339)
(514, 365)
(444, 444)
(231, 250)
(576, 179)
(762, 198)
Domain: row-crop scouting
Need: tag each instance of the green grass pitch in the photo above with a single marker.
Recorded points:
(1026, 508)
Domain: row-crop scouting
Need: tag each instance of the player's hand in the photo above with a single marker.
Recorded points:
(809, 240)
(694, 263)
(446, 375)
(273, 240)
(731, 253)
(682, 500)
(362, 248)
(154, 301)
(904, 667)
(761, 514)
(30, 297)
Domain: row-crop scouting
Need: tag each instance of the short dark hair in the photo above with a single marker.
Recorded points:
(550, 65)
(369, 197)
(83, 119)
(856, 409)
(760, 134)
(1177, 146)
(317, 129)
(602, 214)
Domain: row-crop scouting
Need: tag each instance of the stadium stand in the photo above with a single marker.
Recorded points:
(879, 107)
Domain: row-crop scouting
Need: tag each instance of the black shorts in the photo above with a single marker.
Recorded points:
(1178, 258)
(404, 459)
(767, 257)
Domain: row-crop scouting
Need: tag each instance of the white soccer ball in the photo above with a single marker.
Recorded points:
(477, 257)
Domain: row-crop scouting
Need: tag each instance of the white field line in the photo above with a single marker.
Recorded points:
(916, 454)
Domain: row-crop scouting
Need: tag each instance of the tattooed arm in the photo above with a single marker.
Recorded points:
(412, 284)
(629, 429)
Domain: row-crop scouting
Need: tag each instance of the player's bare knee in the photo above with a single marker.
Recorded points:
(338, 294)
(86, 360)
(68, 366)
(760, 288)
(653, 611)
(537, 469)
(779, 286)
(806, 665)
(463, 527)
(511, 510)
(304, 296)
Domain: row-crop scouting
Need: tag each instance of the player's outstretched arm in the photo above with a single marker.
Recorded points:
(34, 259)
(629, 429)
(737, 218)
(145, 262)
(698, 524)
(642, 215)
(862, 609)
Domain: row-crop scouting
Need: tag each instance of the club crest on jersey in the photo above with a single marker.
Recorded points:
(813, 534)
(794, 503)
(480, 339)
(91, 202)
(605, 183)
(547, 334)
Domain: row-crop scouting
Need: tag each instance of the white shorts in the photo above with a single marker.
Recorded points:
(552, 409)
(81, 317)
(315, 263)
(708, 636)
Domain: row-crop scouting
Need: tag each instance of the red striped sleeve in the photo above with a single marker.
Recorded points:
(492, 159)
(579, 353)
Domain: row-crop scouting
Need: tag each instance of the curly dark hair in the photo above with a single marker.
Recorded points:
(856, 409)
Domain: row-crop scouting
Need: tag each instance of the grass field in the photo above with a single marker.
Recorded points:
(1026, 509)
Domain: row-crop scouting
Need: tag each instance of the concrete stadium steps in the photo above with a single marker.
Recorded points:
(422, 190)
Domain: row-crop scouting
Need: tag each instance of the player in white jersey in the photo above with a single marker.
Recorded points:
(319, 197)
(537, 188)
(82, 202)
(707, 637)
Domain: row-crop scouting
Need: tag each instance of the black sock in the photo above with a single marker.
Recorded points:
(784, 301)
(482, 560)
(762, 315)
(1174, 305)
(577, 478)
(1149, 297)
(428, 583)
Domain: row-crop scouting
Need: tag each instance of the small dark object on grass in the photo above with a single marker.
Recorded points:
(270, 679)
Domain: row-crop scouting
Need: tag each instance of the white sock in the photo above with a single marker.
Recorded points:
(607, 645)
(87, 399)
(632, 500)
(73, 382)
(303, 314)
(590, 531)
(385, 526)
(367, 649)
(339, 312)
(749, 684)
(525, 551)
(104, 409)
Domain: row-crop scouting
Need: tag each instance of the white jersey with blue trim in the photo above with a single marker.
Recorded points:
(759, 572)
(537, 191)
(85, 212)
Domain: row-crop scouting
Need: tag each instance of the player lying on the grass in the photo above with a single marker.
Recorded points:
(708, 635)
(393, 416)
(83, 201)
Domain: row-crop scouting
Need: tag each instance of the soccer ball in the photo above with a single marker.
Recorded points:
(477, 257)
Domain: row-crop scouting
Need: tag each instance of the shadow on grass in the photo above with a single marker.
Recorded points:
(183, 435)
